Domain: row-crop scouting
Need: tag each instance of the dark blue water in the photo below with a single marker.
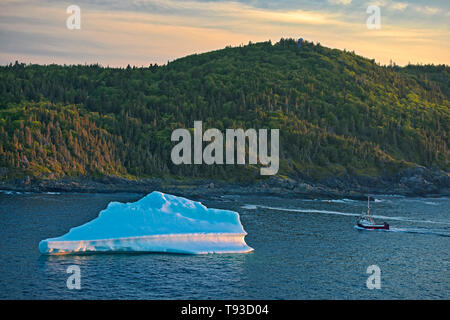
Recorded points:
(303, 250)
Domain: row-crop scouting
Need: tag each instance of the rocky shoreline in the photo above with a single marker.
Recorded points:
(412, 182)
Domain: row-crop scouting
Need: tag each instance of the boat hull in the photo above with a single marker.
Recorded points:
(383, 226)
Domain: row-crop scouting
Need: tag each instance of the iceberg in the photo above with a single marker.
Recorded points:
(156, 223)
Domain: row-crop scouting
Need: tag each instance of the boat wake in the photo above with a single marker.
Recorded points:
(340, 213)
(441, 233)
(437, 232)
(422, 231)
(250, 207)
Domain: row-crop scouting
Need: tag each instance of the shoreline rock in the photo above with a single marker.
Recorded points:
(412, 182)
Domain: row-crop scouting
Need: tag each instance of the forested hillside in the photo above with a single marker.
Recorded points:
(337, 113)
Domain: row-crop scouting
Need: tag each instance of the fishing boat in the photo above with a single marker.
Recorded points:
(366, 222)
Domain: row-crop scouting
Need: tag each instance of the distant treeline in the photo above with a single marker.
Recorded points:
(337, 113)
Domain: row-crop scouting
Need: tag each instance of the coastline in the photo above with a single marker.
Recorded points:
(412, 182)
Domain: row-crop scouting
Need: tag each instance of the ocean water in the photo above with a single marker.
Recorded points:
(304, 249)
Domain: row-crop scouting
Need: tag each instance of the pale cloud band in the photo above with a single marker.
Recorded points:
(140, 32)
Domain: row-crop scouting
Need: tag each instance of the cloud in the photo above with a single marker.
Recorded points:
(344, 2)
(379, 3)
(399, 6)
(428, 10)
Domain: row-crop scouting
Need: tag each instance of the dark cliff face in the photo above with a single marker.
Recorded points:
(424, 181)
(345, 122)
(416, 181)
(411, 182)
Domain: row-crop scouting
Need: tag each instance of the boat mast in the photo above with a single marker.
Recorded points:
(368, 205)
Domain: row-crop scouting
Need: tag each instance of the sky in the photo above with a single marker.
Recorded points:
(139, 32)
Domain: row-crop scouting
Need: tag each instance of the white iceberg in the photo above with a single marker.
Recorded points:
(156, 223)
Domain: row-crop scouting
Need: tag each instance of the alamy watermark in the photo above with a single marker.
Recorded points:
(374, 280)
(374, 20)
(258, 148)
(74, 20)
(74, 280)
